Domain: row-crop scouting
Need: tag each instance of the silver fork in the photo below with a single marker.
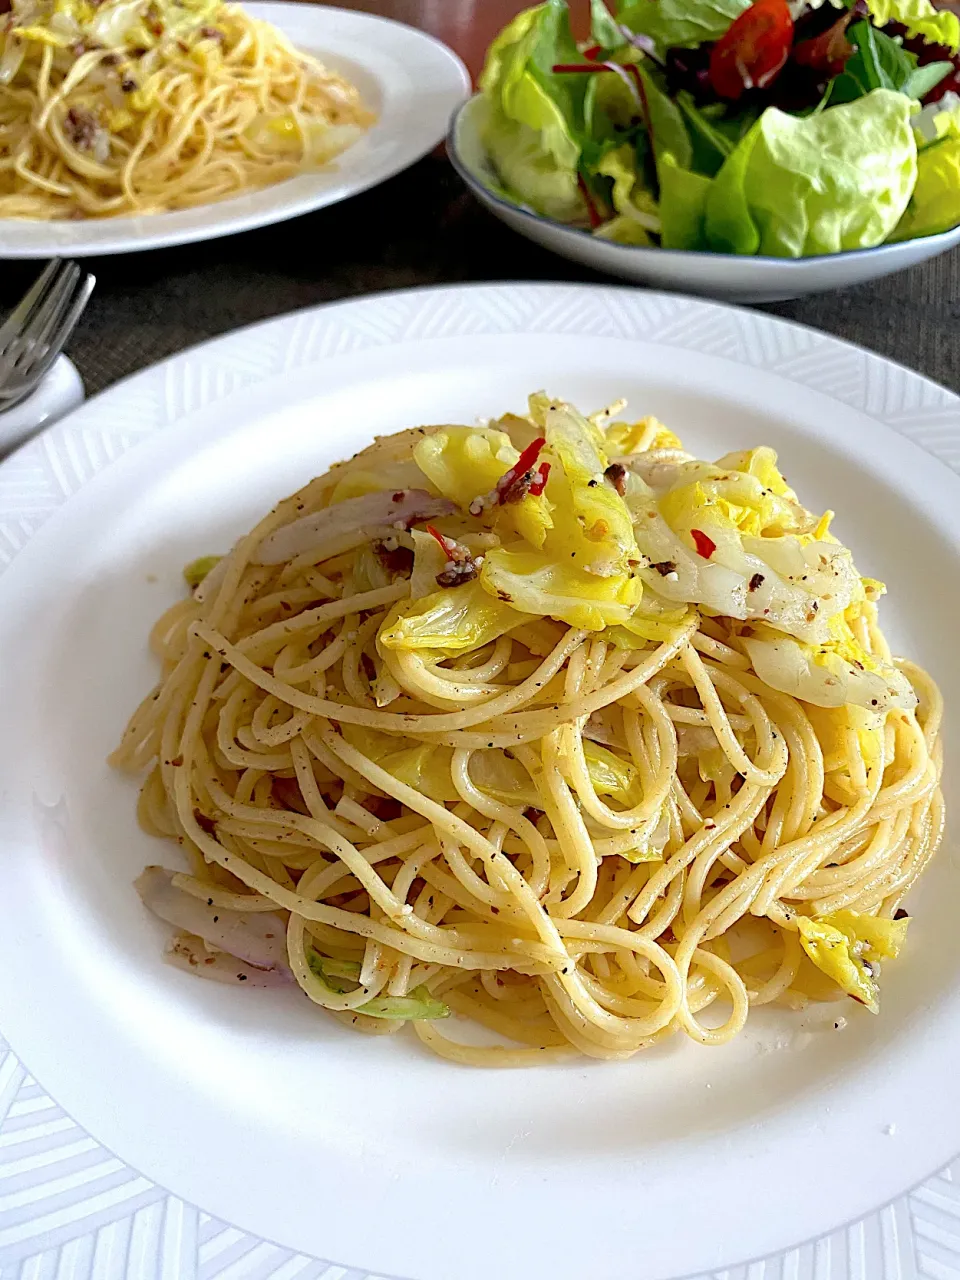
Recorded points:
(39, 327)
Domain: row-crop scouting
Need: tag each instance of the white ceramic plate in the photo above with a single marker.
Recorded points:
(59, 392)
(410, 80)
(733, 277)
(194, 1124)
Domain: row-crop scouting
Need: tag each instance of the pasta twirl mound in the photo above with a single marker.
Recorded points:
(544, 723)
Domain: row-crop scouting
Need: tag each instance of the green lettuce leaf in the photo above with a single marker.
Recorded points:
(937, 26)
(623, 229)
(935, 203)
(635, 206)
(535, 118)
(837, 180)
(532, 172)
(713, 132)
(667, 127)
(604, 29)
(881, 63)
(684, 23)
(611, 110)
(683, 206)
(729, 223)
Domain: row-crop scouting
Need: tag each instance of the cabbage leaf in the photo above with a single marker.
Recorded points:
(449, 621)
(535, 582)
(847, 944)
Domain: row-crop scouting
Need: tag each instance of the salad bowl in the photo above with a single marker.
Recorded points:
(752, 150)
(730, 277)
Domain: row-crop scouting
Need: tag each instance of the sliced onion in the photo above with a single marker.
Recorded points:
(385, 508)
(695, 739)
(659, 468)
(188, 952)
(258, 938)
(11, 58)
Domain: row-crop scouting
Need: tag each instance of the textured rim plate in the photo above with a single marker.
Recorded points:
(412, 81)
(161, 1109)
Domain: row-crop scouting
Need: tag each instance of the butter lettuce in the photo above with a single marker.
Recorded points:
(532, 123)
(837, 180)
(635, 206)
(683, 206)
(713, 132)
(683, 23)
(935, 203)
(604, 30)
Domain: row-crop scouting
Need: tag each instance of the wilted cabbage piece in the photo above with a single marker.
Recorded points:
(536, 583)
(630, 548)
(419, 1004)
(847, 946)
(832, 674)
(450, 621)
(195, 572)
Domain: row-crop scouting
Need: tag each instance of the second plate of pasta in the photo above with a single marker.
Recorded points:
(133, 126)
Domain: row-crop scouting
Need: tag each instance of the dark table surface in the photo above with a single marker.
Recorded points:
(423, 228)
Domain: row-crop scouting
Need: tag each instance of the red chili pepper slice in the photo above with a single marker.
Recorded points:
(538, 484)
(592, 52)
(445, 544)
(526, 462)
(753, 51)
(705, 546)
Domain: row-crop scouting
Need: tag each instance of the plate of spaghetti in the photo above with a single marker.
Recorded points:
(133, 124)
(501, 751)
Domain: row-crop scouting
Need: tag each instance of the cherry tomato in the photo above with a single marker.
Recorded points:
(753, 51)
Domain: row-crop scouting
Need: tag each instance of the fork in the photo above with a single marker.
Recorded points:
(39, 327)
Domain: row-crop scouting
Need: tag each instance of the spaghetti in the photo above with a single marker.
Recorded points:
(543, 723)
(143, 106)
